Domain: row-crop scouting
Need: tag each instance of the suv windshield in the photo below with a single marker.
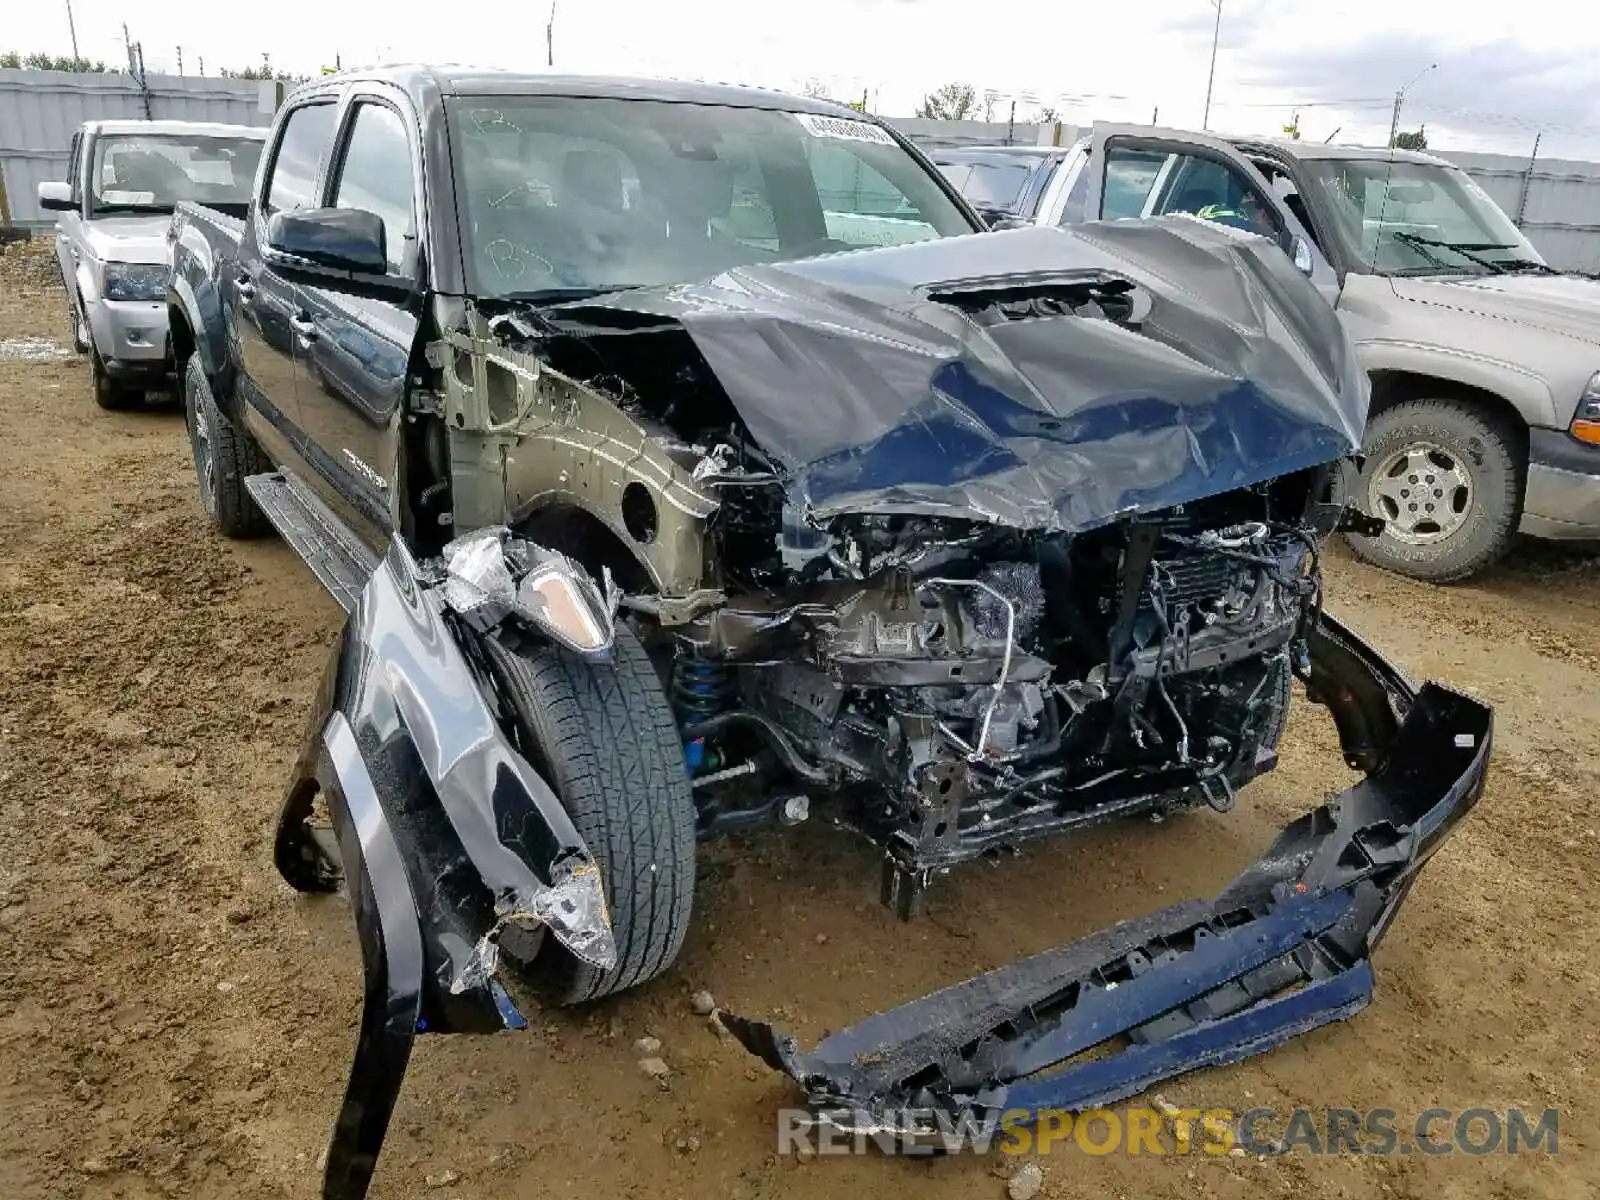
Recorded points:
(150, 172)
(565, 193)
(1407, 218)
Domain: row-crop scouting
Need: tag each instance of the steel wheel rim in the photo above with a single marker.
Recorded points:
(204, 463)
(1424, 491)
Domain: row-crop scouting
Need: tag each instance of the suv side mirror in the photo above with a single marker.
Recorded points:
(56, 196)
(1304, 261)
(343, 239)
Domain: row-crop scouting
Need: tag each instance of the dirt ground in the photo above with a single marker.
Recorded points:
(174, 1021)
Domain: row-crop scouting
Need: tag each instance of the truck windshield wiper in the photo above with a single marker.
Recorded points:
(559, 295)
(102, 209)
(1473, 252)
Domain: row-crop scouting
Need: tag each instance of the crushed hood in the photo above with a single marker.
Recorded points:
(930, 378)
(1567, 304)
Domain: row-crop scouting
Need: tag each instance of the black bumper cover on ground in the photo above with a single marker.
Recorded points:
(444, 833)
(1284, 949)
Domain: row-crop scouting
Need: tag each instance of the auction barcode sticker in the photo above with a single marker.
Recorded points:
(842, 127)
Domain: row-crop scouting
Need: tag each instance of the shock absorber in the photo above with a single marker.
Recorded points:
(700, 688)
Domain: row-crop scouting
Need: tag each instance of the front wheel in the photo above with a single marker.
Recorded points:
(110, 394)
(1447, 480)
(603, 736)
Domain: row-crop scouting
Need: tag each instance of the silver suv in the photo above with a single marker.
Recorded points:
(124, 180)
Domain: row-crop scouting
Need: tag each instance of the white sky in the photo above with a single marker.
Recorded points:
(1505, 69)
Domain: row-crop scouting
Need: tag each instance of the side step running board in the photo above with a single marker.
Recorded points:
(335, 555)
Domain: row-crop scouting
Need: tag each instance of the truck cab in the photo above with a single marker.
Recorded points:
(1484, 361)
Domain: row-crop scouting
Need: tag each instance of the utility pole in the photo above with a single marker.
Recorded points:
(1211, 78)
(127, 43)
(550, 37)
(72, 27)
(180, 61)
(1011, 124)
(1399, 98)
(1155, 115)
(202, 66)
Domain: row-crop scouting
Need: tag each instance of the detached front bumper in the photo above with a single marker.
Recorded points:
(1284, 949)
(445, 837)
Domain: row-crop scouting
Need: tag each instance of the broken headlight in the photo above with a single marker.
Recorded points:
(491, 575)
(133, 281)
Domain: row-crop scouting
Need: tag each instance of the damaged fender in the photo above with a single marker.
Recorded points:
(445, 835)
(1284, 949)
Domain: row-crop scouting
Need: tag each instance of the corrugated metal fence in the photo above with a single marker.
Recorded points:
(39, 110)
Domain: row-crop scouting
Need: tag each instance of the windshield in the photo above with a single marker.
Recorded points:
(152, 172)
(562, 194)
(1407, 218)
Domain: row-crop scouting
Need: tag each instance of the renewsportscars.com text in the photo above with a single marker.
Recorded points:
(1144, 1131)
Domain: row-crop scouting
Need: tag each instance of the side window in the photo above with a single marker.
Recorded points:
(1130, 174)
(1220, 192)
(376, 177)
(306, 135)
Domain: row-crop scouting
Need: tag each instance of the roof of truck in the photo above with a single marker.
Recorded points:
(193, 128)
(481, 81)
(1297, 149)
(954, 154)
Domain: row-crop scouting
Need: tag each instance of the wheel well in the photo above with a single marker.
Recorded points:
(182, 337)
(582, 536)
(1390, 388)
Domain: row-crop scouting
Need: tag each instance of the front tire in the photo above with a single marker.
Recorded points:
(224, 457)
(109, 394)
(604, 737)
(1447, 478)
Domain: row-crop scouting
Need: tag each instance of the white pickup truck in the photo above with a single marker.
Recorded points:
(1484, 361)
(124, 180)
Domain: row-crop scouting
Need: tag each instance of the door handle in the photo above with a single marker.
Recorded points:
(247, 289)
(304, 326)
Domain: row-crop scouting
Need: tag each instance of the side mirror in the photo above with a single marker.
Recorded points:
(999, 218)
(56, 196)
(1304, 260)
(343, 239)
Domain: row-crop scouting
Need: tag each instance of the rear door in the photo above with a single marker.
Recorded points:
(266, 303)
(1145, 171)
(353, 345)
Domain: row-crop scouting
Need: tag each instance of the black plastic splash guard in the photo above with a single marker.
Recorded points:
(1284, 949)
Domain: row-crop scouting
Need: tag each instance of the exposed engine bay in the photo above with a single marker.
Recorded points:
(946, 679)
(949, 687)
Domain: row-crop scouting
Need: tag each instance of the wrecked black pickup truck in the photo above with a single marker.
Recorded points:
(691, 459)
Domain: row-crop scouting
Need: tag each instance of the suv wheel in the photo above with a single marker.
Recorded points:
(1447, 479)
(109, 394)
(223, 458)
(604, 737)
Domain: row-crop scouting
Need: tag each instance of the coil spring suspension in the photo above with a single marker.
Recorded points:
(700, 688)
